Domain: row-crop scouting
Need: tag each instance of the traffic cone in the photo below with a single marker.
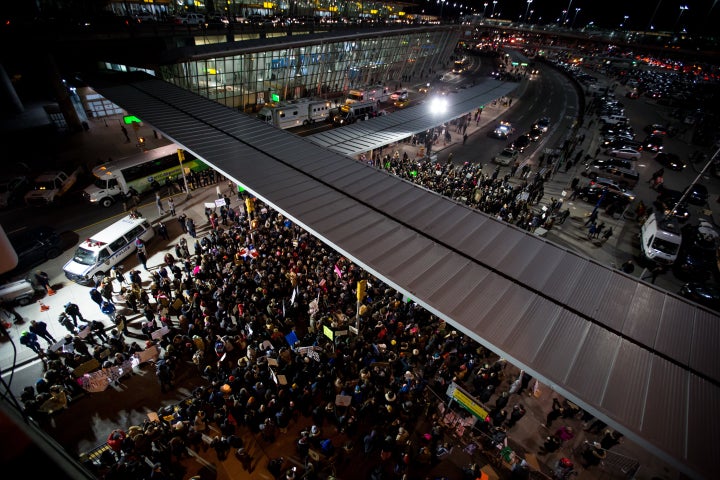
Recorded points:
(43, 307)
(50, 291)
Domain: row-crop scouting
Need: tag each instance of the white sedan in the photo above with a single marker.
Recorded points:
(629, 153)
(399, 95)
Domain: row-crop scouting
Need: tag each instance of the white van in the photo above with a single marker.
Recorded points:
(660, 239)
(97, 254)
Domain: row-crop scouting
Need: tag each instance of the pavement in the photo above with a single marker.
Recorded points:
(105, 140)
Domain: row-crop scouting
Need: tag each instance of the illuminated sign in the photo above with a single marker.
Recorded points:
(128, 119)
(465, 400)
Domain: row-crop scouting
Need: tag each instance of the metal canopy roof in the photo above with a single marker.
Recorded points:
(380, 131)
(642, 359)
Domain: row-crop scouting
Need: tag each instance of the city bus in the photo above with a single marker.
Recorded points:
(460, 66)
(139, 173)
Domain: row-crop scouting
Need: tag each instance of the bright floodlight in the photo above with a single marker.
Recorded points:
(438, 105)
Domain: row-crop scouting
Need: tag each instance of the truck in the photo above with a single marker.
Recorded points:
(50, 186)
(660, 239)
(295, 113)
(377, 94)
(352, 112)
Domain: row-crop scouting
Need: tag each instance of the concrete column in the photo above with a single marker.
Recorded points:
(63, 96)
(9, 95)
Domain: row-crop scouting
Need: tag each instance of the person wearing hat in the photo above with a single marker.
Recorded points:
(30, 340)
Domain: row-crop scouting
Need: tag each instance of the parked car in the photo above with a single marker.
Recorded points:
(705, 294)
(620, 142)
(653, 143)
(13, 189)
(697, 259)
(20, 292)
(190, 19)
(669, 200)
(34, 246)
(506, 157)
(697, 194)
(599, 163)
(656, 129)
(625, 152)
(670, 160)
(625, 177)
(593, 193)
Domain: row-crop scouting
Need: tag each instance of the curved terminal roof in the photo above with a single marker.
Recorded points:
(644, 360)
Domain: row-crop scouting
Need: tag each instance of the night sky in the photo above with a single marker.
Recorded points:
(700, 14)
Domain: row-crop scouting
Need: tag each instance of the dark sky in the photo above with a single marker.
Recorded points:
(610, 13)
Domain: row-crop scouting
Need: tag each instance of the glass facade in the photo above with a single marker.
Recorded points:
(323, 69)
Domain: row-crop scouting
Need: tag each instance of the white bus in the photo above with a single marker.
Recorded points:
(138, 173)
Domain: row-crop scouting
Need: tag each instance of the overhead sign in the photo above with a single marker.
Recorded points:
(128, 119)
(465, 400)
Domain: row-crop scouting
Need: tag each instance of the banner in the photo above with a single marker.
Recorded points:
(100, 380)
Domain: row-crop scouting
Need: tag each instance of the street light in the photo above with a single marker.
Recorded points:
(682, 9)
(527, 9)
(625, 19)
(650, 23)
(484, 8)
(572, 25)
(493, 9)
(566, 12)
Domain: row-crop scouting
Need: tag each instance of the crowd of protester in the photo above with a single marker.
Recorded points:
(247, 299)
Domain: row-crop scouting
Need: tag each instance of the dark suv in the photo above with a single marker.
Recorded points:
(34, 246)
(696, 259)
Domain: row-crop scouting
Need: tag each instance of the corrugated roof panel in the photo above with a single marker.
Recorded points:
(499, 319)
(591, 368)
(451, 227)
(504, 250)
(627, 387)
(422, 263)
(676, 330)
(703, 423)
(441, 278)
(567, 274)
(481, 298)
(561, 346)
(666, 409)
(705, 354)
(495, 242)
(643, 317)
(527, 337)
(481, 231)
(449, 298)
(613, 314)
(536, 264)
(587, 296)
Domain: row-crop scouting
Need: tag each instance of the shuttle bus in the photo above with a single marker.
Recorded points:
(138, 173)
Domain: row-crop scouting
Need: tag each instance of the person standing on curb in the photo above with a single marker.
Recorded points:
(171, 206)
(158, 202)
